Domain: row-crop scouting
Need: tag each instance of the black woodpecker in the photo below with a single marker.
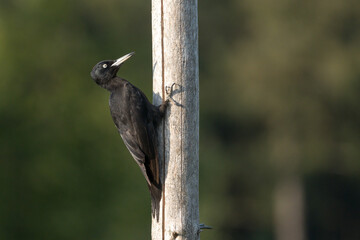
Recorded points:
(136, 120)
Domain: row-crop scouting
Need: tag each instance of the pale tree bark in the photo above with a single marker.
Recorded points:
(289, 190)
(289, 209)
(175, 61)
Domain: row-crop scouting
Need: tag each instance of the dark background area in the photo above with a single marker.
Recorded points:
(279, 120)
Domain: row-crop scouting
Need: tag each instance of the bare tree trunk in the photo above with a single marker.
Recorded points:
(175, 60)
(289, 190)
(289, 208)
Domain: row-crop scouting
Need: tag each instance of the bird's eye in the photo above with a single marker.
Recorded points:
(105, 65)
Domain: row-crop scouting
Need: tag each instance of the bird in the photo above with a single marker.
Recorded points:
(136, 120)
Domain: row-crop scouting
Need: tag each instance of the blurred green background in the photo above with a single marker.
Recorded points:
(279, 128)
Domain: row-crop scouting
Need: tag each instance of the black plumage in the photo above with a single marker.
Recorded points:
(136, 120)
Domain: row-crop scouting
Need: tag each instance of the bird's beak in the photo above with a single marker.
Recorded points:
(119, 61)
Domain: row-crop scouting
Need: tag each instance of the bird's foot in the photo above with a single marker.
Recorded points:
(169, 91)
(165, 104)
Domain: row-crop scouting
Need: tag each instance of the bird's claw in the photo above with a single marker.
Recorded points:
(169, 90)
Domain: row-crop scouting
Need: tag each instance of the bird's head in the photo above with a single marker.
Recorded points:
(106, 70)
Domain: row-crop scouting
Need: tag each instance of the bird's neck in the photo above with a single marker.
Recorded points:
(113, 84)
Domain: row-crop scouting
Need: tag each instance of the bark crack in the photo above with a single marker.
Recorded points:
(163, 132)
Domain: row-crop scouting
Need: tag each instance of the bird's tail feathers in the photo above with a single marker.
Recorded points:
(155, 192)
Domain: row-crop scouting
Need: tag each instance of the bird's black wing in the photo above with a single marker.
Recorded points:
(134, 117)
(135, 152)
(139, 136)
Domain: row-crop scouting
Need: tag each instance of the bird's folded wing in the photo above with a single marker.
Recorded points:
(135, 152)
(144, 131)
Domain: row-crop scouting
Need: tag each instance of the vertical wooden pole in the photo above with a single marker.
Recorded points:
(175, 60)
